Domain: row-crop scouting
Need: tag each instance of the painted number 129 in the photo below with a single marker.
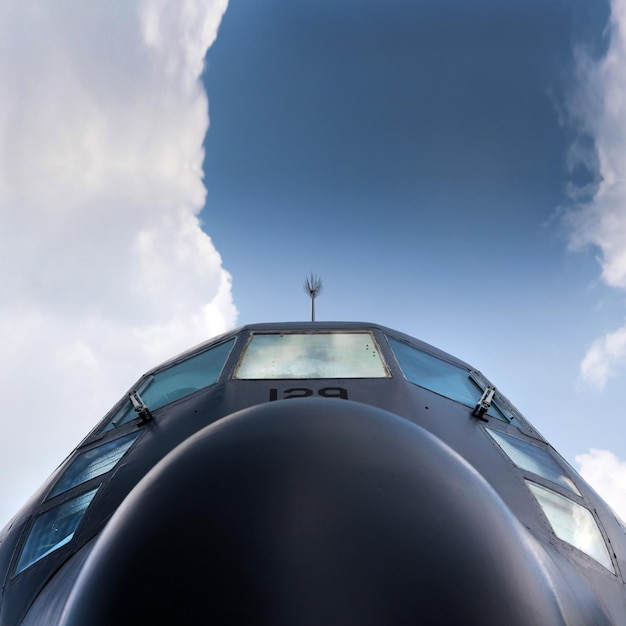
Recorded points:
(305, 392)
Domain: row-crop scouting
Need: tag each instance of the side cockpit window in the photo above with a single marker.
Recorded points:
(452, 381)
(572, 523)
(532, 458)
(56, 526)
(53, 529)
(435, 374)
(311, 355)
(173, 383)
(92, 463)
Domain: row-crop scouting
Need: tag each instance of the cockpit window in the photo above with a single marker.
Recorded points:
(445, 378)
(573, 523)
(435, 374)
(173, 383)
(92, 463)
(533, 459)
(184, 378)
(311, 355)
(53, 529)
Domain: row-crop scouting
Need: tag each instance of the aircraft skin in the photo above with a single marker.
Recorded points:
(314, 473)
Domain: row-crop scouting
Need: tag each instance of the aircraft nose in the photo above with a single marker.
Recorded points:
(312, 512)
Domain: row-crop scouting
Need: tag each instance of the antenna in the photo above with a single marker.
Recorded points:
(313, 288)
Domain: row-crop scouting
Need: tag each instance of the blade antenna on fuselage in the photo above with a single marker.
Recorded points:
(313, 288)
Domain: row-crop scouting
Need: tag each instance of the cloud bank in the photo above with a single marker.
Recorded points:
(599, 111)
(105, 269)
(607, 475)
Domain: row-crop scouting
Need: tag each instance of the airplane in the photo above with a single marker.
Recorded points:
(313, 473)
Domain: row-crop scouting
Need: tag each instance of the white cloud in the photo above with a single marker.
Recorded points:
(104, 267)
(604, 357)
(606, 473)
(599, 111)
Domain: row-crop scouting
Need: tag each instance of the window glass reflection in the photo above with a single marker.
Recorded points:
(92, 463)
(53, 529)
(435, 374)
(573, 523)
(185, 378)
(126, 413)
(175, 382)
(445, 378)
(311, 355)
(533, 459)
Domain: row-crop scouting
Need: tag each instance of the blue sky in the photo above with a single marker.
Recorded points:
(415, 155)
(410, 153)
(451, 169)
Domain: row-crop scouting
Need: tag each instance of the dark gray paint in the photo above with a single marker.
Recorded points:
(391, 507)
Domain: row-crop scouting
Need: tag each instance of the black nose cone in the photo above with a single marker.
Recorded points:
(312, 512)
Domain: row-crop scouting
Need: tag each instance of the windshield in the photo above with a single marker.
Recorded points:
(311, 355)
